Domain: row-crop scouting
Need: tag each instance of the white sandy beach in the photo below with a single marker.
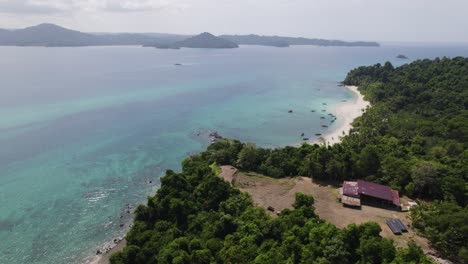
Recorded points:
(346, 113)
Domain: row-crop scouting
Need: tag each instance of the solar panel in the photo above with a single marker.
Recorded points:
(395, 229)
(401, 225)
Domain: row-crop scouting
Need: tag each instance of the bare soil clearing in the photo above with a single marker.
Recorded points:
(228, 172)
(280, 194)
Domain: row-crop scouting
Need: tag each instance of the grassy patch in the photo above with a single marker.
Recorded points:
(215, 168)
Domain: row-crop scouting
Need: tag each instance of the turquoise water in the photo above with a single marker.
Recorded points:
(85, 132)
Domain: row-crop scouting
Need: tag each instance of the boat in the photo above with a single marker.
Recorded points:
(305, 138)
(318, 134)
(322, 117)
(324, 126)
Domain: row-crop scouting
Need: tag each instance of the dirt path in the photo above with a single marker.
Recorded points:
(228, 172)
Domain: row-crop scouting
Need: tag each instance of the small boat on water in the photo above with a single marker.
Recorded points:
(302, 134)
(305, 138)
(324, 126)
(324, 103)
(322, 117)
(178, 64)
(324, 110)
(318, 134)
(312, 110)
(290, 111)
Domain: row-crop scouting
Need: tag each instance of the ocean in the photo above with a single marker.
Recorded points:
(85, 133)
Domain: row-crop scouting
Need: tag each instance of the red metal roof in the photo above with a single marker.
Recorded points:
(350, 188)
(355, 189)
(379, 191)
(395, 197)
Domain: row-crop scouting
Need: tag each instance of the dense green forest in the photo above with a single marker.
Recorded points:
(196, 217)
(413, 138)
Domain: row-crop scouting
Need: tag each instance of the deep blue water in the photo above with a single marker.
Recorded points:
(83, 131)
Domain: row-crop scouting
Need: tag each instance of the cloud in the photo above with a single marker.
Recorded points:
(62, 6)
(142, 5)
(30, 7)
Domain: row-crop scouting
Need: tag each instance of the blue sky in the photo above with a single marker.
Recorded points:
(380, 20)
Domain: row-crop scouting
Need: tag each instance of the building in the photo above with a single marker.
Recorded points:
(364, 192)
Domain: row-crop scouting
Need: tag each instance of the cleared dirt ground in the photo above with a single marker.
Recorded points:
(280, 194)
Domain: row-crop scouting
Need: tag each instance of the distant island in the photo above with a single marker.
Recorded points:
(269, 40)
(401, 56)
(201, 41)
(50, 35)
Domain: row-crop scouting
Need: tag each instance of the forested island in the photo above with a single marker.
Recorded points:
(279, 41)
(202, 41)
(50, 35)
(413, 138)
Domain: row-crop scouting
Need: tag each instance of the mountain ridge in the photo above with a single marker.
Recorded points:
(51, 35)
(203, 40)
(254, 39)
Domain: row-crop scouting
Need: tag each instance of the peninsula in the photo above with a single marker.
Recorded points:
(413, 142)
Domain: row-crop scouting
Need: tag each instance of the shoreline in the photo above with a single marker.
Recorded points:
(104, 257)
(348, 112)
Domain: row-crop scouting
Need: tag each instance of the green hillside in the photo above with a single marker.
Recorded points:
(412, 138)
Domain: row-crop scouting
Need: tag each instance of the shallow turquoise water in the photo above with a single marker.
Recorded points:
(83, 131)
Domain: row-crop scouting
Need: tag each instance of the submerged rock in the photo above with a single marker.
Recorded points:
(214, 137)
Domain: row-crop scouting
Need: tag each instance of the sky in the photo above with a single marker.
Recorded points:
(377, 20)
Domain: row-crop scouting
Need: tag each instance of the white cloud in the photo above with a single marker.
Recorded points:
(58, 6)
(140, 5)
(29, 7)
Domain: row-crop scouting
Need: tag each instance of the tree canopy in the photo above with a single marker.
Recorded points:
(413, 138)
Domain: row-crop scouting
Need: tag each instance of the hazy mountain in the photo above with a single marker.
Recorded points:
(124, 39)
(140, 38)
(268, 40)
(51, 35)
(205, 40)
(47, 35)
